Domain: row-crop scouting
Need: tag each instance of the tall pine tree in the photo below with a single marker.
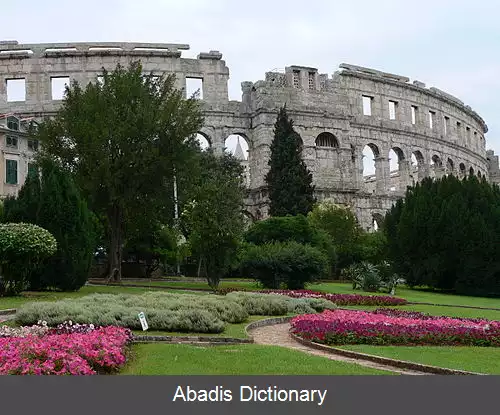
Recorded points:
(289, 181)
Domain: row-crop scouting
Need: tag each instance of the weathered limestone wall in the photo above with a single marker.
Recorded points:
(327, 111)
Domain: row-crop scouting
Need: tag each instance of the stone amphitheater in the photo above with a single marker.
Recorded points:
(417, 130)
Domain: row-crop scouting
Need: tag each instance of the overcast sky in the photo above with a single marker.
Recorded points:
(453, 45)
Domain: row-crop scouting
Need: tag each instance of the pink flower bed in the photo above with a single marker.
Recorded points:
(401, 328)
(343, 299)
(98, 351)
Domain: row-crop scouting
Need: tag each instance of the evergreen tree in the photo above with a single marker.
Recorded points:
(289, 181)
(54, 203)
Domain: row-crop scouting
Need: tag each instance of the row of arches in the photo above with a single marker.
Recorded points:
(232, 144)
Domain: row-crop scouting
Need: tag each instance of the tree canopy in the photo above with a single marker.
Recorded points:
(289, 181)
(121, 139)
(445, 234)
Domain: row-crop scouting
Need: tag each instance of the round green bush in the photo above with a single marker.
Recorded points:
(23, 247)
(288, 265)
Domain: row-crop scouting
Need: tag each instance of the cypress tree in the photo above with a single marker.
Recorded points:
(54, 203)
(289, 181)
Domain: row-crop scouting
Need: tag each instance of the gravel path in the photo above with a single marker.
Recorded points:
(278, 335)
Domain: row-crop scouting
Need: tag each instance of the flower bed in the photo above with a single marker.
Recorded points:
(80, 351)
(384, 327)
(343, 299)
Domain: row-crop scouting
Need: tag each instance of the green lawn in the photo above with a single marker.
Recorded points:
(232, 330)
(417, 296)
(473, 359)
(247, 285)
(172, 359)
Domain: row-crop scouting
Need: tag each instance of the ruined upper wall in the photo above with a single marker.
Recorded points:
(413, 104)
(38, 64)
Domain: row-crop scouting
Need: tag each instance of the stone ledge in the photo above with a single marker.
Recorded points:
(384, 360)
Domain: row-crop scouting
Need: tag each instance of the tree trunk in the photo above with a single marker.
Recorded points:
(115, 246)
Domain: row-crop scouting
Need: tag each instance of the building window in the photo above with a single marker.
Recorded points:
(33, 145)
(392, 109)
(414, 114)
(11, 171)
(367, 105)
(312, 84)
(13, 123)
(446, 125)
(32, 170)
(296, 79)
(11, 141)
(431, 119)
(459, 129)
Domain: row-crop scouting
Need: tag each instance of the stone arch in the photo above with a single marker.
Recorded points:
(436, 161)
(450, 166)
(462, 169)
(377, 221)
(370, 153)
(237, 144)
(471, 171)
(417, 166)
(327, 139)
(204, 140)
(396, 171)
(436, 165)
(479, 175)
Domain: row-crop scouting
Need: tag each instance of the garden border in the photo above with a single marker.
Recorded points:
(401, 364)
(196, 340)
(8, 312)
(266, 322)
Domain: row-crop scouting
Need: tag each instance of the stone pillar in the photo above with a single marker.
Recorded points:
(382, 174)
(404, 175)
(218, 141)
(439, 171)
(357, 166)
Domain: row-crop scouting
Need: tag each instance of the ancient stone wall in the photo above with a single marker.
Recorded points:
(337, 117)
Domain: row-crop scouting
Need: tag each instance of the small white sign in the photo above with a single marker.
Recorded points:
(144, 323)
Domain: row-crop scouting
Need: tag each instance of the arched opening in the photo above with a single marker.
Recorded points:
(450, 166)
(479, 174)
(370, 153)
(203, 141)
(462, 169)
(237, 145)
(417, 166)
(435, 166)
(396, 157)
(471, 171)
(327, 140)
(377, 221)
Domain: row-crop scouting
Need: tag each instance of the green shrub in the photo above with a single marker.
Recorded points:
(53, 202)
(284, 264)
(23, 248)
(166, 311)
(372, 278)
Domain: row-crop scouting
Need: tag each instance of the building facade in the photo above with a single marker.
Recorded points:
(428, 132)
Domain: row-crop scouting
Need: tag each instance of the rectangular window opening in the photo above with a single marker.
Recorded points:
(11, 141)
(33, 145)
(32, 170)
(367, 105)
(392, 109)
(459, 129)
(194, 86)
(312, 83)
(16, 90)
(446, 125)
(413, 114)
(296, 79)
(431, 119)
(11, 171)
(58, 87)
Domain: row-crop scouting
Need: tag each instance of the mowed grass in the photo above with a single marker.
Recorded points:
(173, 359)
(196, 285)
(417, 296)
(27, 297)
(473, 359)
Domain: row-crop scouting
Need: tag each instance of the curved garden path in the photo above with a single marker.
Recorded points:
(278, 335)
